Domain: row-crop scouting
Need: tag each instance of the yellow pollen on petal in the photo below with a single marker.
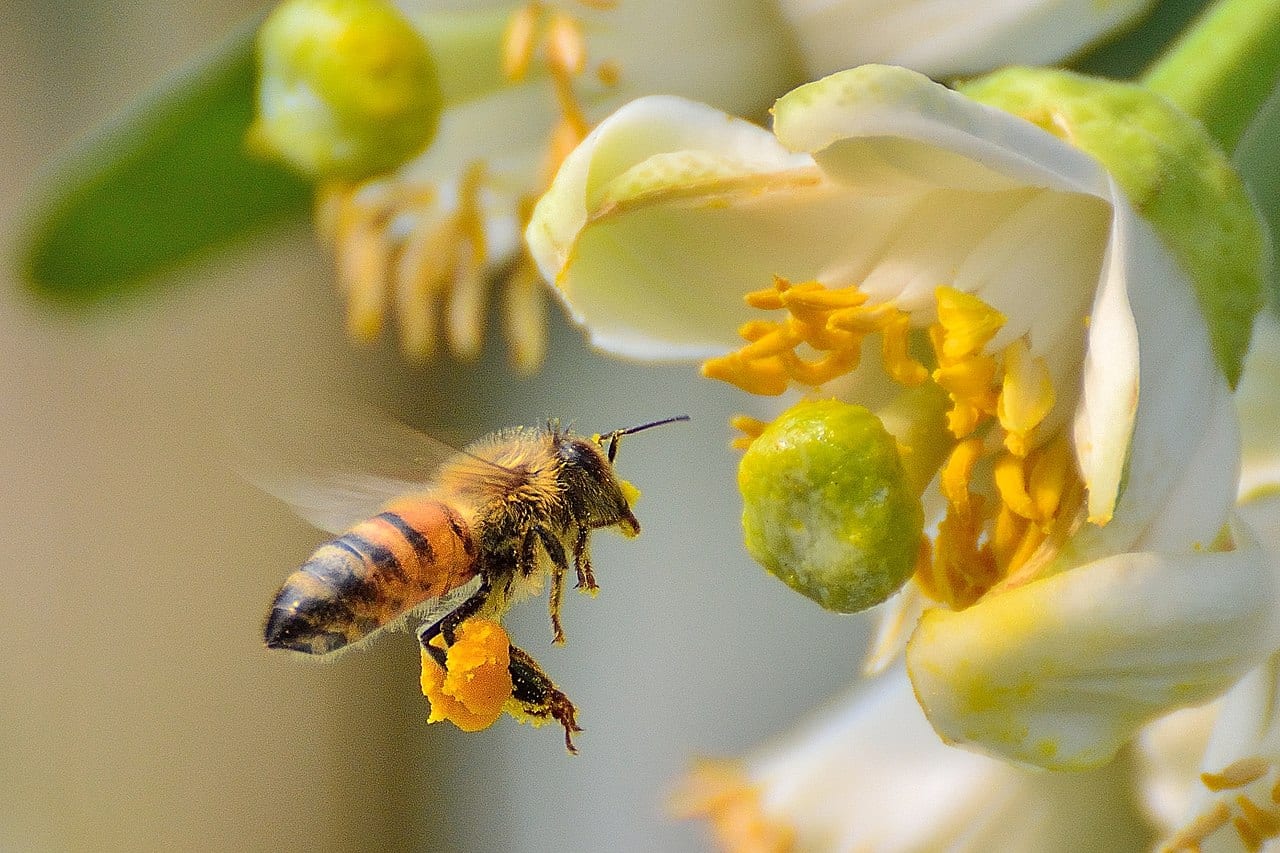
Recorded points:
(721, 792)
(1026, 395)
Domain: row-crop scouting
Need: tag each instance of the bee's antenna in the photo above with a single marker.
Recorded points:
(619, 433)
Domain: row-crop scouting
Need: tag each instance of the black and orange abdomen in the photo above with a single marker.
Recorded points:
(416, 550)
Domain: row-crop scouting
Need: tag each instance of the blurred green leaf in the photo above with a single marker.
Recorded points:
(1128, 55)
(160, 185)
(1256, 158)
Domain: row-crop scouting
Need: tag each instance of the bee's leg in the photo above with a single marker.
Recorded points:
(464, 611)
(528, 560)
(539, 697)
(559, 566)
(582, 561)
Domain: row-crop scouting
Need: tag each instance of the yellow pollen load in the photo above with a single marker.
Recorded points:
(473, 687)
(1029, 492)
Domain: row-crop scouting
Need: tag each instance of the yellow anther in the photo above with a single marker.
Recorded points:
(1266, 822)
(766, 377)
(519, 40)
(1190, 837)
(609, 73)
(769, 298)
(969, 323)
(1051, 469)
(1007, 535)
(1275, 792)
(754, 330)
(722, 792)
(961, 567)
(751, 429)
(1031, 539)
(566, 47)
(814, 296)
(772, 343)
(1026, 395)
(1249, 835)
(898, 363)
(1236, 774)
(958, 471)
(819, 336)
(820, 371)
(1010, 479)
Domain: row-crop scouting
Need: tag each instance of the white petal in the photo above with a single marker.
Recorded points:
(1061, 672)
(950, 37)
(883, 119)
(1258, 402)
(870, 774)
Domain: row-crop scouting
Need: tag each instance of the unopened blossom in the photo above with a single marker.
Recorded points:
(431, 236)
(1078, 455)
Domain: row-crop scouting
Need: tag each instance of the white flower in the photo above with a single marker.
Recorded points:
(426, 237)
(1091, 572)
(869, 774)
(945, 38)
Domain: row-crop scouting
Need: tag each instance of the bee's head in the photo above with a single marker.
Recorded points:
(594, 491)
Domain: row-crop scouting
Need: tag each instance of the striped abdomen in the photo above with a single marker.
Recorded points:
(371, 575)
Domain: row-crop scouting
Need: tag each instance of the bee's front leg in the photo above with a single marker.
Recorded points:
(582, 561)
(539, 697)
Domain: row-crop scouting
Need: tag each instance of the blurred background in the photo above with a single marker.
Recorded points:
(140, 710)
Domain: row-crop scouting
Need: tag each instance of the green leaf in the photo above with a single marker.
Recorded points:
(161, 185)
(1129, 54)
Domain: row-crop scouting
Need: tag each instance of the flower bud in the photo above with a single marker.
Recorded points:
(827, 506)
(348, 88)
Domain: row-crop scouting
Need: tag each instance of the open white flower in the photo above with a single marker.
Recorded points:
(869, 774)
(1088, 571)
(428, 236)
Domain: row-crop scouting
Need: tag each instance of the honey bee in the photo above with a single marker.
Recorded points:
(469, 541)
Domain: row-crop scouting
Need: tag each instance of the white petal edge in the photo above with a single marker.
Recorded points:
(1061, 673)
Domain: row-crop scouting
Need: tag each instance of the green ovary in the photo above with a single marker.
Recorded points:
(827, 507)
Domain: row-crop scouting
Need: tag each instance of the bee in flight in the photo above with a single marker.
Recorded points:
(466, 542)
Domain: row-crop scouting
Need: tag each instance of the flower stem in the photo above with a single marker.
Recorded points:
(467, 47)
(1224, 67)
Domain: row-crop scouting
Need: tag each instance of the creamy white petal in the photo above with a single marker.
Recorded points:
(1061, 672)
(950, 37)
(1258, 402)
(870, 774)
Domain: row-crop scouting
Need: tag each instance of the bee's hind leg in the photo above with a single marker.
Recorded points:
(449, 624)
(539, 697)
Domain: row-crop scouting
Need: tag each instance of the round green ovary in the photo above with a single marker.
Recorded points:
(827, 507)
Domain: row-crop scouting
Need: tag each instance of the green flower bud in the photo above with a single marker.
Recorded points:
(347, 88)
(1175, 176)
(827, 506)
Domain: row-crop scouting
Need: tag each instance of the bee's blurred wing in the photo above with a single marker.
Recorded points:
(336, 466)
(436, 609)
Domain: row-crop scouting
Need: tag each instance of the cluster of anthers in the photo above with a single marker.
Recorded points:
(1010, 481)
(422, 247)
(1255, 824)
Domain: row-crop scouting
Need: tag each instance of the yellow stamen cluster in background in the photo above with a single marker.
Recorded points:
(432, 272)
(393, 247)
(564, 56)
(998, 404)
(1254, 824)
(831, 323)
(473, 687)
(721, 792)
